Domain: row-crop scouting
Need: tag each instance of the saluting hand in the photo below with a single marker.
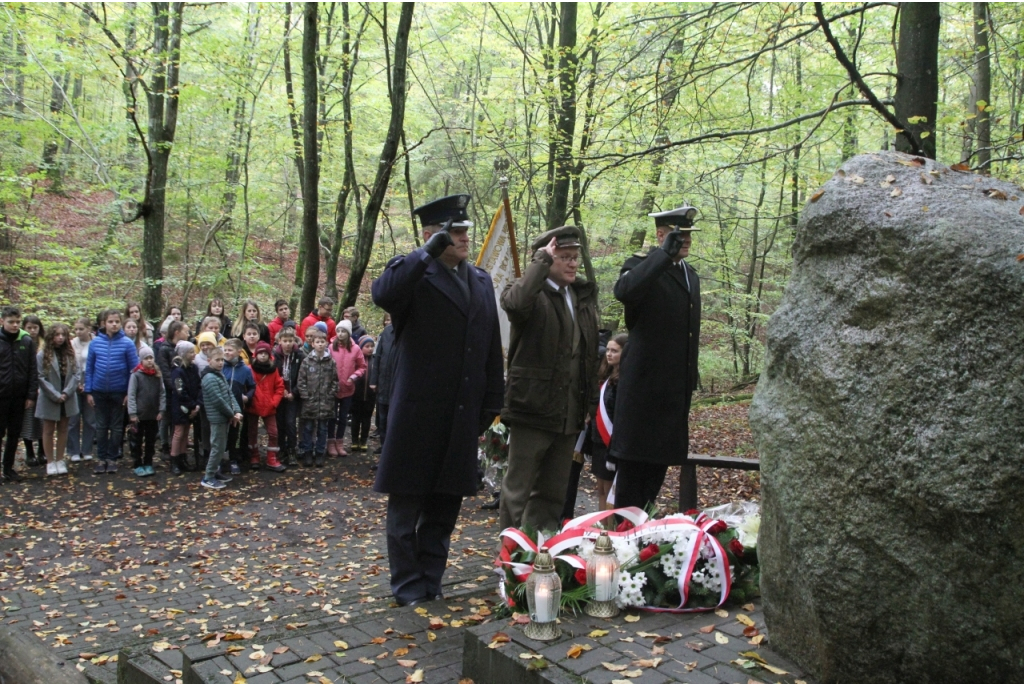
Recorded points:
(438, 243)
(673, 243)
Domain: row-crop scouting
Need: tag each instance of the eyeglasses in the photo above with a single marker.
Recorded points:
(568, 259)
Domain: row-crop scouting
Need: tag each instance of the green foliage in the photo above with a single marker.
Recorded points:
(482, 78)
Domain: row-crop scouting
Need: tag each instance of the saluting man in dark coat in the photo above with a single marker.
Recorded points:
(658, 372)
(447, 388)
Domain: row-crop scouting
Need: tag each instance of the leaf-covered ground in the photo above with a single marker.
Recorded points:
(91, 563)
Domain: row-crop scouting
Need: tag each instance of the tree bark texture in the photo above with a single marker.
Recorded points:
(311, 166)
(162, 100)
(568, 66)
(388, 155)
(917, 84)
(983, 85)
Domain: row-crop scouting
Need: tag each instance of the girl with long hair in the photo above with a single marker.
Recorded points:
(58, 397)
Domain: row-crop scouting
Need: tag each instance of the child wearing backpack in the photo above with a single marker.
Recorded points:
(147, 403)
(239, 376)
(269, 392)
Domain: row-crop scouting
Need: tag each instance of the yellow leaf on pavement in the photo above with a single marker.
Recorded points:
(597, 633)
(416, 677)
(721, 639)
(744, 619)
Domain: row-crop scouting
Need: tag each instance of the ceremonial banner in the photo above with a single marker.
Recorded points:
(499, 258)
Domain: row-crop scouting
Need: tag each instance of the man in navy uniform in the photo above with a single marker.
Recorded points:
(447, 389)
(658, 372)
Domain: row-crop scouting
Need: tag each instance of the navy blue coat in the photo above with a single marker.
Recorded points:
(658, 371)
(448, 376)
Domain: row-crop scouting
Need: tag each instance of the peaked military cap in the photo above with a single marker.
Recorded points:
(565, 236)
(679, 218)
(441, 210)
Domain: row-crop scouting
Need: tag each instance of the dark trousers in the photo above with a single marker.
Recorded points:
(109, 424)
(143, 434)
(339, 422)
(419, 529)
(236, 442)
(382, 421)
(287, 415)
(362, 413)
(637, 483)
(12, 413)
(569, 510)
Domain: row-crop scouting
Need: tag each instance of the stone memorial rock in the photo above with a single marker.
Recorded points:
(890, 425)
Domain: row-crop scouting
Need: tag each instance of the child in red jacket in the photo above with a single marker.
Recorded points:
(269, 391)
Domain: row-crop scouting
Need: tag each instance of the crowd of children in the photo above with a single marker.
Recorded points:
(64, 390)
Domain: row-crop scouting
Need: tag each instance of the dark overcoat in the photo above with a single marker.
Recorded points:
(658, 371)
(448, 374)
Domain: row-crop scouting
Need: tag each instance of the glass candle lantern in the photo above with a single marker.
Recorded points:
(603, 579)
(544, 598)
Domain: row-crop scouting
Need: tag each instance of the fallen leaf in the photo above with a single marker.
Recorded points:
(314, 674)
(575, 651)
(774, 669)
(401, 651)
(422, 611)
(257, 655)
(431, 636)
(996, 194)
(313, 659)
(416, 677)
(657, 650)
(817, 196)
(632, 618)
(614, 667)
(690, 665)
(622, 682)
(927, 180)
(641, 633)
(341, 644)
(526, 656)
(896, 192)
(856, 179)
(597, 633)
(88, 655)
(748, 607)
(744, 619)
(721, 639)
(537, 665)
(757, 639)
(378, 640)
(749, 631)
(647, 663)
(721, 613)
(636, 673)
(368, 662)
(264, 668)
(1020, 257)
(962, 166)
(888, 179)
(625, 639)
(707, 629)
(436, 623)
(406, 663)
(239, 678)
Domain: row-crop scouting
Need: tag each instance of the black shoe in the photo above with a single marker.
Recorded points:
(307, 460)
(493, 504)
(176, 465)
(12, 475)
(320, 459)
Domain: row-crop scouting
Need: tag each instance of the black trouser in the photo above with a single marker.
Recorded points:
(382, 420)
(287, 415)
(638, 483)
(362, 413)
(569, 510)
(145, 431)
(419, 529)
(238, 443)
(12, 414)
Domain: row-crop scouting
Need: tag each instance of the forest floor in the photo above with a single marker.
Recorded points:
(94, 563)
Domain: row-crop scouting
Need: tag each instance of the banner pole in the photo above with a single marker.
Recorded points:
(503, 182)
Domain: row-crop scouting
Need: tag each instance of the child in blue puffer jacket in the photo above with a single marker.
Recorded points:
(108, 368)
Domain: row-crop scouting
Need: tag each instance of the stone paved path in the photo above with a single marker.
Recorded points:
(96, 563)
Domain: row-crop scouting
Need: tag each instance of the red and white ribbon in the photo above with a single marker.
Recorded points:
(604, 422)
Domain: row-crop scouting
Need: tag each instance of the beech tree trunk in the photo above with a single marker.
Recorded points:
(982, 85)
(311, 166)
(368, 225)
(917, 84)
(162, 98)
(568, 65)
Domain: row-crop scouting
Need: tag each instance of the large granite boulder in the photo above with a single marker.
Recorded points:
(890, 426)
